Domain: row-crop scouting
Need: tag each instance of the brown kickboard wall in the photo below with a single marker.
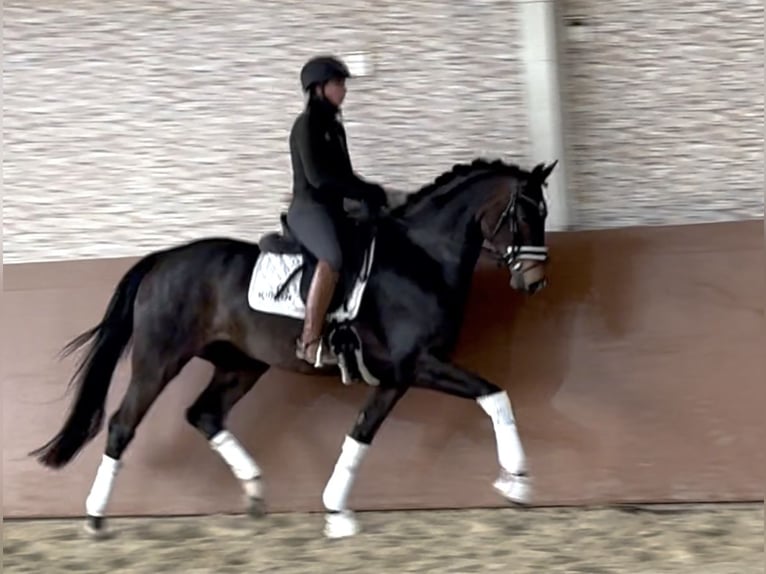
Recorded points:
(637, 376)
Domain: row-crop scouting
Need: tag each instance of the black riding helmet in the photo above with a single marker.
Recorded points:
(321, 69)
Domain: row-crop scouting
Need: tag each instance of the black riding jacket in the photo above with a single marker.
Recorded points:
(322, 169)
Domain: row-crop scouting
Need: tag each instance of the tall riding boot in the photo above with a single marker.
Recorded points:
(320, 294)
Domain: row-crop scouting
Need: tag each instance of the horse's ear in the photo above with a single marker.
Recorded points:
(547, 171)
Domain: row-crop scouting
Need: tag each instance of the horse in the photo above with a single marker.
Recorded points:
(394, 324)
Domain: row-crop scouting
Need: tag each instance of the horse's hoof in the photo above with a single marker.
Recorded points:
(256, 507)
(516, 488)
(95, 528)
(340, 525)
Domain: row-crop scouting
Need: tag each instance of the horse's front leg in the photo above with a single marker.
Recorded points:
(339, 520)
(513, 482)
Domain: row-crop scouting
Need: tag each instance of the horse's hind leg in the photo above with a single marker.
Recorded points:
(149, 377)
(208, 416)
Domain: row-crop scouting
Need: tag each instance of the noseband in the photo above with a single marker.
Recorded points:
(515, 254)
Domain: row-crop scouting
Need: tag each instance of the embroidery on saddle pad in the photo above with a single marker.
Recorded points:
(276, 281)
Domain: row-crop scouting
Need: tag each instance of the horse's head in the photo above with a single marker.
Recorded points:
(513, 224)
(503, 200)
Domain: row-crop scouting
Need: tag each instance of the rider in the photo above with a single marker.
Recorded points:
(322, 178)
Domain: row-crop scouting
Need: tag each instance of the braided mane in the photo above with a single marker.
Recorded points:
(463, 170)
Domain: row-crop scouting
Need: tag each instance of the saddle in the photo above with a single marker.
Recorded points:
(356, 237)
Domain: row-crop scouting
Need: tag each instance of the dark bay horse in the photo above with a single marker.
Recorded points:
(192, 301)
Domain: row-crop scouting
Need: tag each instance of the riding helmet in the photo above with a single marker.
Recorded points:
(321, 69)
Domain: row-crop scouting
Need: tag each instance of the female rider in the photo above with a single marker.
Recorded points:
(322, 178)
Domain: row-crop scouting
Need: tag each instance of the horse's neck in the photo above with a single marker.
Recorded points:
(450, 234)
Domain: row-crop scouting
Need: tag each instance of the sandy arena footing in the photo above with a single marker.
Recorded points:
(698, 539)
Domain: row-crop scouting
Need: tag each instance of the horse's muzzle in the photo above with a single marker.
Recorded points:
(537, 286)
(529, 275)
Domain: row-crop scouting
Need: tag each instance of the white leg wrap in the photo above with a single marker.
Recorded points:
(241, 463)
(510, 453)
(253, 488)
(337, 489)
(98, 498)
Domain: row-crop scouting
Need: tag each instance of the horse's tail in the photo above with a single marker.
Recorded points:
(110, 339)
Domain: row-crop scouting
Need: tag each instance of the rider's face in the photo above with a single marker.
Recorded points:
(335, 91)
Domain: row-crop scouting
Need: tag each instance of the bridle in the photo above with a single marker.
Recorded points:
(515, 254)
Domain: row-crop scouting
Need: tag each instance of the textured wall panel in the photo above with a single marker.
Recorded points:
(132, 125)
(665, 105)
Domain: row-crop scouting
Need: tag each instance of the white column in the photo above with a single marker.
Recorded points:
(540, 53)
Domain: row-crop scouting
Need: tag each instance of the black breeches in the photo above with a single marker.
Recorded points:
(313, 225)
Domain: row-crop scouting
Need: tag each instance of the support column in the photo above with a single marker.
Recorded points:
(540, 54)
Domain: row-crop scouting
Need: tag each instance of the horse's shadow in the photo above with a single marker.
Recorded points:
(523, 344)
(590, 298)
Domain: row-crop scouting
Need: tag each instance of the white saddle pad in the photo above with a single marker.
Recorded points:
(270, 272)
